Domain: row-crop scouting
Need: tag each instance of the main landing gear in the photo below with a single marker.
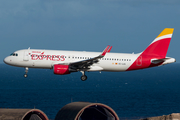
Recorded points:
(83, 77)
(26, 71)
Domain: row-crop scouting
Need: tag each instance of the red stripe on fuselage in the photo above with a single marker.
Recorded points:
(156, 50)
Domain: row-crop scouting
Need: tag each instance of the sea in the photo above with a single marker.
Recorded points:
(132, 95)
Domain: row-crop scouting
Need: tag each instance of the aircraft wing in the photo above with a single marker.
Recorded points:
(84, 64)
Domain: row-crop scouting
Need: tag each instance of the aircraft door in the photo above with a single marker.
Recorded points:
(26, 56)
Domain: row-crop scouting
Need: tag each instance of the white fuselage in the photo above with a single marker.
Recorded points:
(35, 58)
(65, 62)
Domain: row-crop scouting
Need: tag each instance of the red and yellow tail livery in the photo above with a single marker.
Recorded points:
(155, 53)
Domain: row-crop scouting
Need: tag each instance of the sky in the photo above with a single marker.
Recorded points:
(87, 25)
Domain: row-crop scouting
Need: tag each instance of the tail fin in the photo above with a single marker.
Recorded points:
(155, 53)
(158, 48)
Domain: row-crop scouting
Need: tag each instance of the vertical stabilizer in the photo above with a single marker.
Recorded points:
(159, 47)
(155, 53)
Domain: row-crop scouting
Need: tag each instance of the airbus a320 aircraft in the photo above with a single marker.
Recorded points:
(65, 62)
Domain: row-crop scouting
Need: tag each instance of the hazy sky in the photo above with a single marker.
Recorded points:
(87, 25)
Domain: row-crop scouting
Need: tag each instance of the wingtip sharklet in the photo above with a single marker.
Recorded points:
(107, 49)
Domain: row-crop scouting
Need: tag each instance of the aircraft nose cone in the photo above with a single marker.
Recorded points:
(6, 60)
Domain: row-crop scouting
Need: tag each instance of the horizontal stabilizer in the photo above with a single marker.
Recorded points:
(164, 61)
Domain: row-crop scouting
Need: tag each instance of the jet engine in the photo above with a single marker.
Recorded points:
(61, 69)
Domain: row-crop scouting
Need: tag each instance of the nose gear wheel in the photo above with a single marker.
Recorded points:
(26, 71)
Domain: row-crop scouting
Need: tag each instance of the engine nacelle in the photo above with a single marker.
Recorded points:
(61, 69)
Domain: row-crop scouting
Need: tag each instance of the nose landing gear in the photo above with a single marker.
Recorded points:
(26, 71)
(83, 77)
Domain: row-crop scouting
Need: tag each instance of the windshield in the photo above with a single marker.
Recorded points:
(13, 54)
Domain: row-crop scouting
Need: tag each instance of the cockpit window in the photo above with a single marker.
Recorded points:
(13, 54)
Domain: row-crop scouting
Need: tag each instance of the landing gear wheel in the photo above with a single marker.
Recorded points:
(83, 77)
(26, 71)
(25, 75)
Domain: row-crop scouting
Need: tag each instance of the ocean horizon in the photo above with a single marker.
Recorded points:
(133, 94)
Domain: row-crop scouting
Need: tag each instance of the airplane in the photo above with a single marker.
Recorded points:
(66, 62)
